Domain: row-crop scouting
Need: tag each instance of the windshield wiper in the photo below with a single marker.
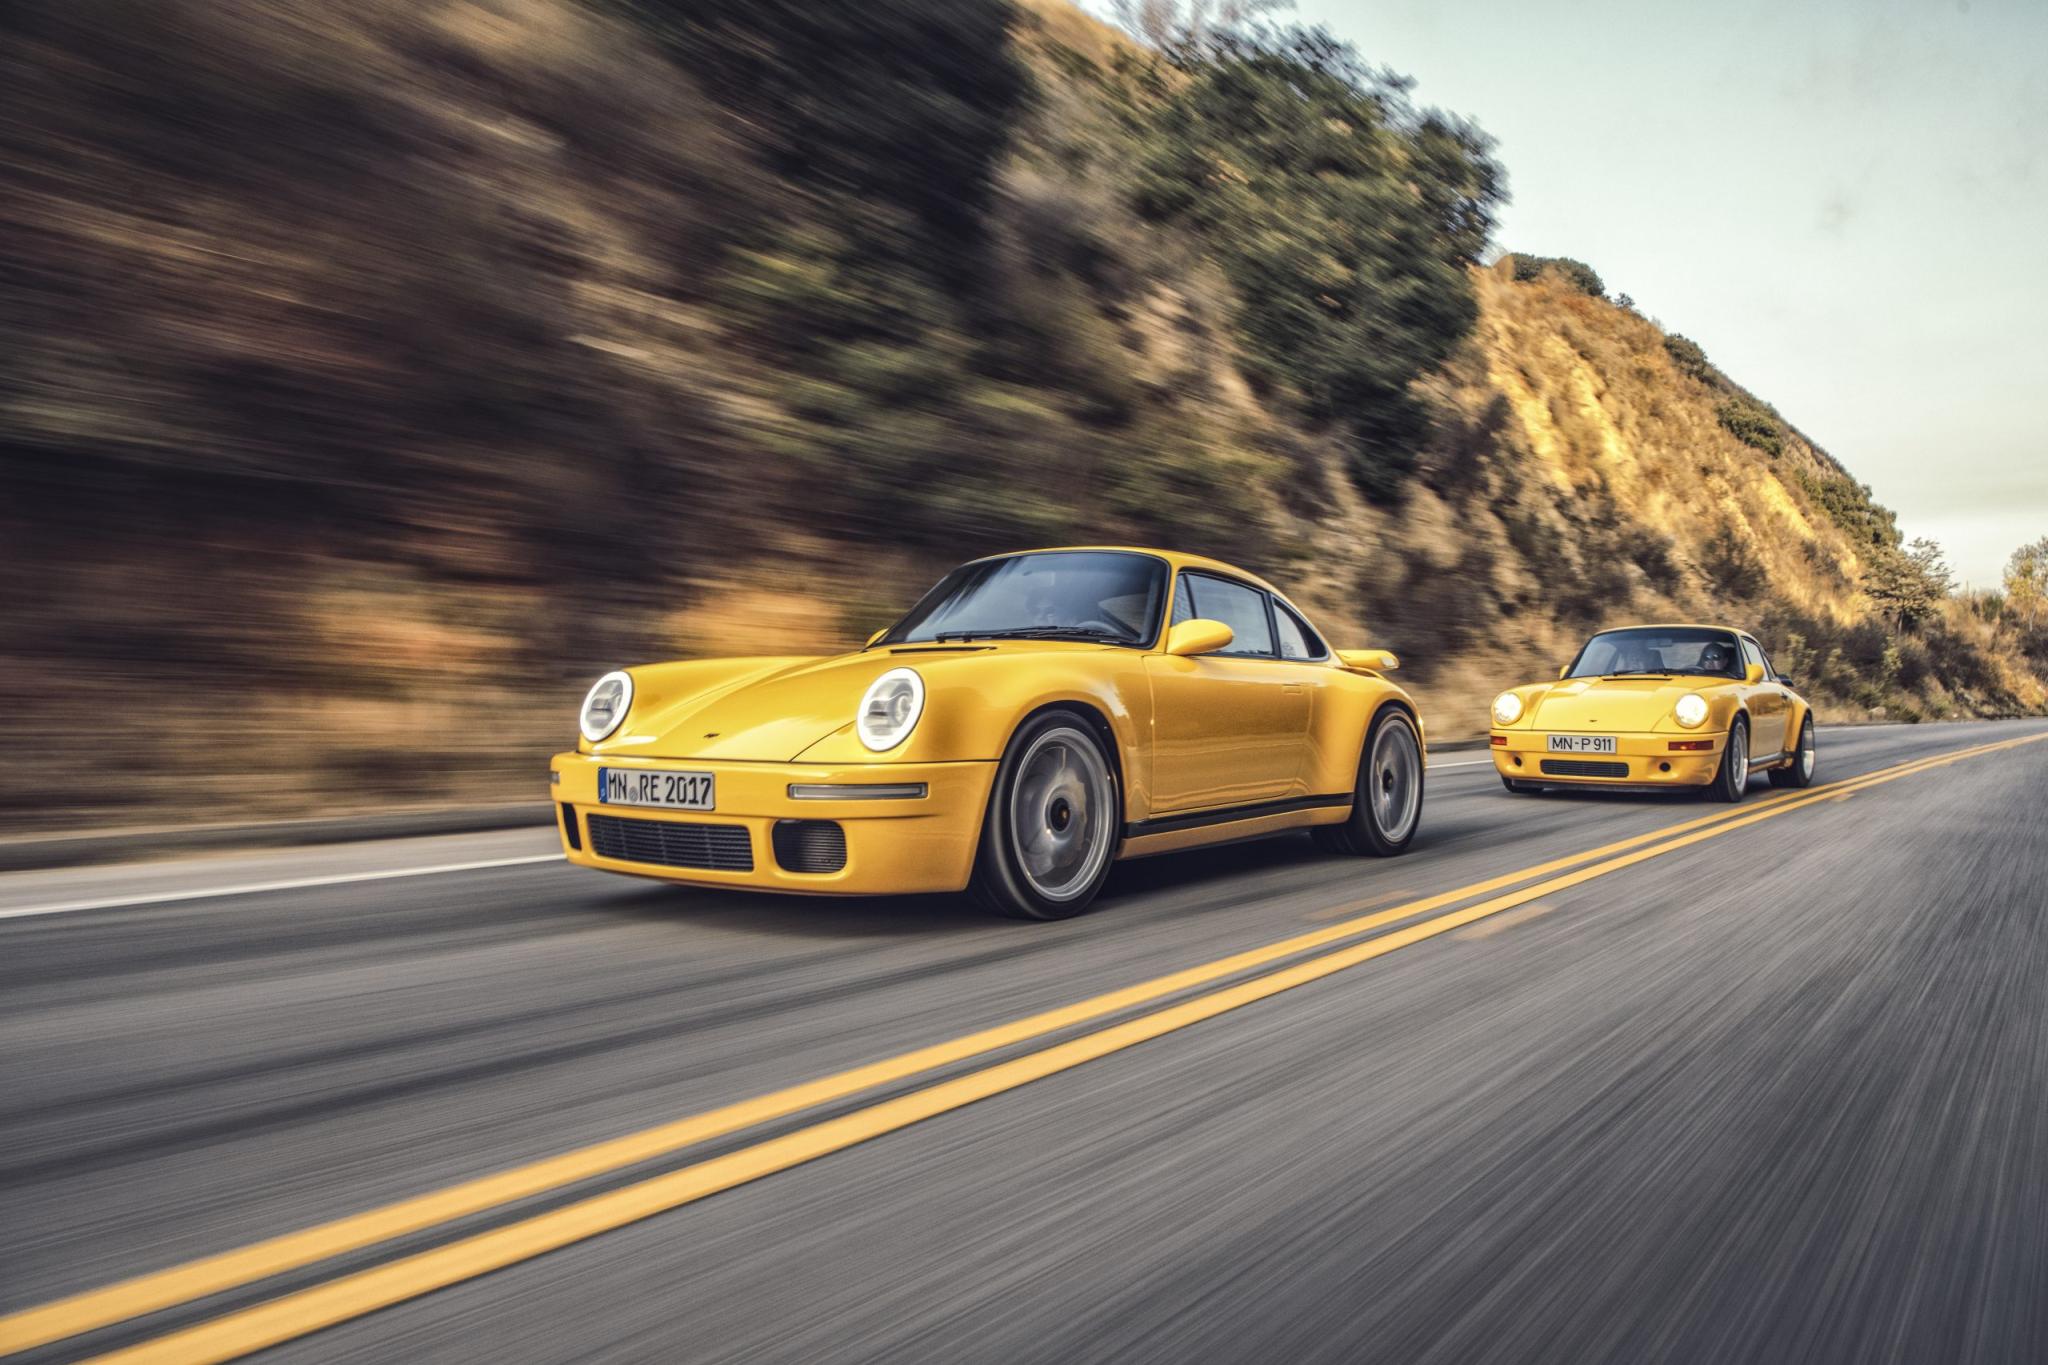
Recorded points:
(1641, 673)
(1035, 633)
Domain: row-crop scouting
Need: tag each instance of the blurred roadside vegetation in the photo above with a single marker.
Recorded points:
(376, 374)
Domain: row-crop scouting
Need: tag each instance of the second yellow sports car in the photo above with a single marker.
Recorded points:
(1657, 706)
(1034, 717)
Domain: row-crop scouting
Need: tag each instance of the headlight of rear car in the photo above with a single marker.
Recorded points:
(606, 704)
(889, 709)
(1507, 708)
(1691, 710)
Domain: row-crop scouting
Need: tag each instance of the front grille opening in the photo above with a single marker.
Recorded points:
(1583, 767)
(672, 843)
(810, 845)
(569, 829)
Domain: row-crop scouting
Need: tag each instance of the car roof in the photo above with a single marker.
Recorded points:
(1179, 559)
(1678, 625)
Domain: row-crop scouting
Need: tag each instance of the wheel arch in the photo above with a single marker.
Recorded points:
(1398, 701)
(1402, 702)
(1098, 724)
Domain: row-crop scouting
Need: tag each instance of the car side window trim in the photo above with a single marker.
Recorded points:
(1272, 635)
(1309, 634)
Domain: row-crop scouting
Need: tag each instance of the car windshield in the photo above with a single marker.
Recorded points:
(1694, 651)
(1104, 595)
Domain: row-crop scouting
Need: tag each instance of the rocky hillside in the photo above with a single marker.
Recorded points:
(379, 373)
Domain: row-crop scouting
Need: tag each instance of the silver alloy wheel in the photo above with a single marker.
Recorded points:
(1393, 777)
(1061, 807)
(1806, 751)
(1738, 760)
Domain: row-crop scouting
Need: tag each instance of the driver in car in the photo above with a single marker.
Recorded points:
(1042, 602)
(1715, 658)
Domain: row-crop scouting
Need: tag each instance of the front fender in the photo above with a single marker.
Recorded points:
(973, 704)
(1531, 694)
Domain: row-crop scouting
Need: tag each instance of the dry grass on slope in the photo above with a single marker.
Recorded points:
(1607, 415)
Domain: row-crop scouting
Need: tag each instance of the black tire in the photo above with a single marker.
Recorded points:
(1520, 788)
(1030, 812)
(1389, 763)
(1797, 771)
(1731, 779)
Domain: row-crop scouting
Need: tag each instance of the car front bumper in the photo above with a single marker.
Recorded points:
(1639, 760)
(894, 845)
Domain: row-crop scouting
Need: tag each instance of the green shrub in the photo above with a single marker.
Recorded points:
(1690, 359)
(1652, 554)
(1849, 505)
(1578, 274)
(1429, 615)
(1731, 566)
(1344, 220)
(1753, 424)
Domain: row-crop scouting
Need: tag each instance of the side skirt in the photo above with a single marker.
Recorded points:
(1225, 815)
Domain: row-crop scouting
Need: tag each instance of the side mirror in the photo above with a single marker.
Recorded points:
(1753, 674)
(876, 636)
(1199, 636)
(1369, 660)
(1563, 671)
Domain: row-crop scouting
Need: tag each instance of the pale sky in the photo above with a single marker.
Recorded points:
(1845, 204)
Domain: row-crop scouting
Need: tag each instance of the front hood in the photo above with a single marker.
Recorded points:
(1607, 704)
(770, 713)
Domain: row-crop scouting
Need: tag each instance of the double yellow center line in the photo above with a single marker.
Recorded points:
(302, 1312)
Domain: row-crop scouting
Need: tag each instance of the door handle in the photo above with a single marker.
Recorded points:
(1290, 687)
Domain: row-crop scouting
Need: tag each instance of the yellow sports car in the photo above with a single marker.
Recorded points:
(1033, 718)
(1657, 706)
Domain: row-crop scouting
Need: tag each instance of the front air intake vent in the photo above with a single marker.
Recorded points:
(1582, 767)
(672, 843)
(810, 845)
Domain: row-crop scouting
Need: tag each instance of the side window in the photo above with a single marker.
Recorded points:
(1183, 602)
(1242, 609)
(1752, 655)
(1297, 640)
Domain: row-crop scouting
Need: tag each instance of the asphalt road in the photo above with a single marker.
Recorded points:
(1771, 1086)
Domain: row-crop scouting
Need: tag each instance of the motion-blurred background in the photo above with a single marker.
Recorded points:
(373, 375)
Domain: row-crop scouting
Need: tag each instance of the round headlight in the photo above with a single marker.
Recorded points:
(889, 709)
(1691, 710)
(606, 704)
(1507, 708)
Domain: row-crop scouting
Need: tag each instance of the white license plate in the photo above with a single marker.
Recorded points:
(1582, 744)
(655, 787)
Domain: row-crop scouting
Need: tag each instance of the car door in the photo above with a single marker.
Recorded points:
(1228, 729)
(1767, 706)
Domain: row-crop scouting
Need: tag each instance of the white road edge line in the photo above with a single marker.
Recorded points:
(163, 898)
(256, 888)
(302, 883)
